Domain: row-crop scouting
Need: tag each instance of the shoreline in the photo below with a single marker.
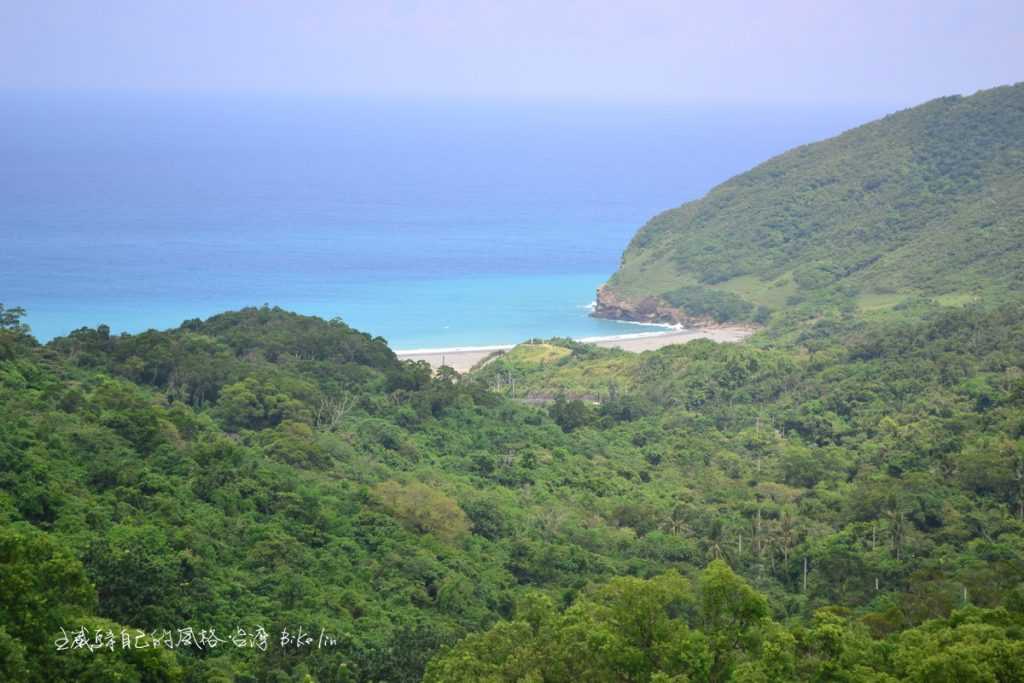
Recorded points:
(462, 358)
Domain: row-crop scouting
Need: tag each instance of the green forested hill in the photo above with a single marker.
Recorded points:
(851, 508)
(925, 202)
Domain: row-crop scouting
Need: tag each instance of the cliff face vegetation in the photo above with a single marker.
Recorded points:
(927, 202)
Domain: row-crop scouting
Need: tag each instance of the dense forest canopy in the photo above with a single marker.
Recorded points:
(839, 498)
(868, 494)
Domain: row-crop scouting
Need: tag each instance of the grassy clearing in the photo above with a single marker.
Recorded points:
(957, 299)
(869, 303)
(537, 354)
(772, 294)
(650, 278)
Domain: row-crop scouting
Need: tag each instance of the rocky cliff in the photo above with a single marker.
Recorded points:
(646, 310)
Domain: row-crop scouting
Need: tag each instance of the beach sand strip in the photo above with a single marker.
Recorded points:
(462, 359)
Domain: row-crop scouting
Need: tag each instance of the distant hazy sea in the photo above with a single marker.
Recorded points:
(430, 224)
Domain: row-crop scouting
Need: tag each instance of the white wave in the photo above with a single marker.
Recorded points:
(634, 335)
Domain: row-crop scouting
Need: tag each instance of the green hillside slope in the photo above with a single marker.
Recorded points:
(852, 504)
(926, 202)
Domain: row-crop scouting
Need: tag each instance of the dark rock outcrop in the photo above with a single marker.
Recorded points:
(647, 310)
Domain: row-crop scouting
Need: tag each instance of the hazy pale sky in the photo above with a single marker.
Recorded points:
(714, 51)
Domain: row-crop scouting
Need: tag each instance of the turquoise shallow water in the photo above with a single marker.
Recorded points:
(410, 314)
(430, 224)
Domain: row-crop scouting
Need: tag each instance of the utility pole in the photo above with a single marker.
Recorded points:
(759, 547)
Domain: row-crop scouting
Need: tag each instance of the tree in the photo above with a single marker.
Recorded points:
(423, 508)
(569, 415)
(10, 320)
(730, 612)
(12, 331)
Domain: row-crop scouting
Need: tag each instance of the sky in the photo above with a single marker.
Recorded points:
(814, 51)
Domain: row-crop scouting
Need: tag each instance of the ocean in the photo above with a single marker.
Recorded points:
(431, 224)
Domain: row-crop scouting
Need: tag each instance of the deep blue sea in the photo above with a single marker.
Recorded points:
(432, 224)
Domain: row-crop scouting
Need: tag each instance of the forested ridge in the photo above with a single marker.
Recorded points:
(839, 498)
(924, 203)
(850, 509)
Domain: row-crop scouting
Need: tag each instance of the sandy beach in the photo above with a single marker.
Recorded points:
(462, 359)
